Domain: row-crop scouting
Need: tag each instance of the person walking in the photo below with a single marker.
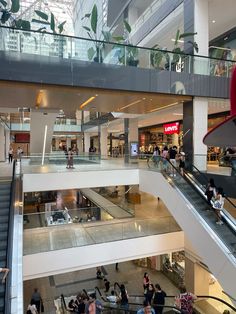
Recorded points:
(159, 299)
(172, 155)
(10, 154)
(19, 153)
(36, 298)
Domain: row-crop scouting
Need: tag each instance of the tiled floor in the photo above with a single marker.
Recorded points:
(71, 283)
(129, 273)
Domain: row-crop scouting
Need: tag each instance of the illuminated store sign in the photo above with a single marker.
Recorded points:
(171, 128)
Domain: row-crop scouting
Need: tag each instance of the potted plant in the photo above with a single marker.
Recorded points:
(127, 54)
(95, 52)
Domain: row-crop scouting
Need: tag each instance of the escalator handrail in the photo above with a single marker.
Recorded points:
(64, 302)
(198, 296)
(207, 180)
(102, 297)
(7, 306)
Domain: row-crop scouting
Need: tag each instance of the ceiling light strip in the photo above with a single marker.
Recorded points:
(87, 102)
(131, 104)
(164, 107)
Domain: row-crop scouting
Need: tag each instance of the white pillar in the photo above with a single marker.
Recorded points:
(133, 130)
(175, 140)
(41, 130)
(86, 142)
(200, 120)
(8, 141)
(133, 15)
(2, 145)
(79, 143)
(201, 17)
(68, 142)
(103, 142)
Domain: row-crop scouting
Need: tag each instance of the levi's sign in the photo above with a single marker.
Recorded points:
(171, 128)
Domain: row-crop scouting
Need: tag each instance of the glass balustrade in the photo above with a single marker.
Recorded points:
(112, 53)
(48, 239)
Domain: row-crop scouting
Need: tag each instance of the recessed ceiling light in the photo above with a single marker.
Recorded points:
(213, 21)
(96, 95)
(226, 38)
(144, 98)
(151, 99)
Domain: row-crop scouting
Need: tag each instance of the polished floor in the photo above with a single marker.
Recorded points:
(129, 273)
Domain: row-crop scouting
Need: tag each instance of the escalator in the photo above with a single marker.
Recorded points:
(184, 197)
(136, 302)
(201, 180)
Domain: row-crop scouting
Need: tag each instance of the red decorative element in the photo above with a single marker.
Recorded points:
(22, 138)
(171, 128)
(224, 133)
(233, 93)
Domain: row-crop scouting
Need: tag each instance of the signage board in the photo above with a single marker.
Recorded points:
(171, 128)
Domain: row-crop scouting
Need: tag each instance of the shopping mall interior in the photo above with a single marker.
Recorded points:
(110, 121)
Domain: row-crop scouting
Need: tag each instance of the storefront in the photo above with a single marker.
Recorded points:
(168, 134)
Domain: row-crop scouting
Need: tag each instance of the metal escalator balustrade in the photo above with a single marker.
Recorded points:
(6, 231)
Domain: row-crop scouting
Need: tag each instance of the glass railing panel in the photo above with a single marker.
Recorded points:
(82, 49)
(72, 235)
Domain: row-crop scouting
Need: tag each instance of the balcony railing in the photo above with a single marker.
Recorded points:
(76, 48)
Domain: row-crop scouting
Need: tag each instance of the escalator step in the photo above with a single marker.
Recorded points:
(4, 205)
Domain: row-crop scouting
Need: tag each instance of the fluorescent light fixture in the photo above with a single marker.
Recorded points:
(87, 102)
(177, 114)
(131, 104)
(213, 21)
(164, 107)
(44, 143)
(222, 48)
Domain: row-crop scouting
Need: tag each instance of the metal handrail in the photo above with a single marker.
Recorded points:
(199, 297)
(7, 307)
(114, 43)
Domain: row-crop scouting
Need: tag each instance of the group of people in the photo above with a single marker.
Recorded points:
(11, 153)
(155, 298)
(215, 198)
(177, 159)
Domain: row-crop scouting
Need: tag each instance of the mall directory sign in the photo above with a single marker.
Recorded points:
(171, 128)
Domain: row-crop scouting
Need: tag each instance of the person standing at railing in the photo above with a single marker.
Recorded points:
(182, 162)
(156, 156)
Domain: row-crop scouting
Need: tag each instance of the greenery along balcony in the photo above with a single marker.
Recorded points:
(76, 48)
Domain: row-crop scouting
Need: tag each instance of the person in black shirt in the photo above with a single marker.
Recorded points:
(159, 299)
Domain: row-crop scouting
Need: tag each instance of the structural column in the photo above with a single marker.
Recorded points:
(41, 131)
(86, 142)
(103, 142)
(3, 143)
(200, 121)
(131, 135)
(196, 277)
(195, 119)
